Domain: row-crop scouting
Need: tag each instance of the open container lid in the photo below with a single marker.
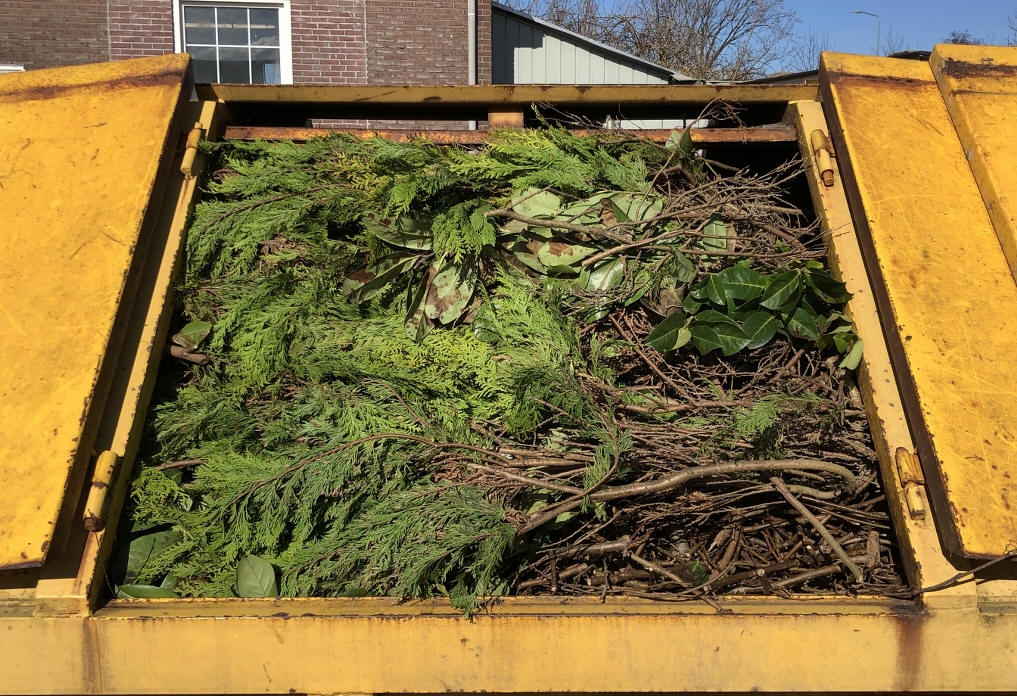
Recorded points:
(80, 153)
(927, 153)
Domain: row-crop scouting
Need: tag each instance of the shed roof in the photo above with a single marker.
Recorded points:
(597, 46)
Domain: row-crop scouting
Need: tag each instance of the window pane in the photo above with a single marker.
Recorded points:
(265, 66)
(233, 65)
(264, 27)
(199, 25)
(233, 26)
(203, 63)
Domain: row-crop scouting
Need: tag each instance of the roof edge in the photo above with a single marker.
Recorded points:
(670, 74)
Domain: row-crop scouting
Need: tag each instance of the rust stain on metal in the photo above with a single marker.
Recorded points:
(165, 78)
(984, 68)
(885, 82)
(700, 136)
(909, 651)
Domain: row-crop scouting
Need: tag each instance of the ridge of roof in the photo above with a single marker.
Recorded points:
(495, 5)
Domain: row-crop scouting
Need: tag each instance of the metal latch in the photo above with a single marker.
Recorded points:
(190, 150)
(909, 470)
(95, 507)
(822, 148)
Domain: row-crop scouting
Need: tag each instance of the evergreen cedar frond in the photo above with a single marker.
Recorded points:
(297, 419)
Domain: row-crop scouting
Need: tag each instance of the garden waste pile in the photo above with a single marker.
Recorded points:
(550, 364)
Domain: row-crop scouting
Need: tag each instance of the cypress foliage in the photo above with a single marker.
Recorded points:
(386, 318)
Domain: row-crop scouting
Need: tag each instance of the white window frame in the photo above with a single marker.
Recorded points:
(285, 34)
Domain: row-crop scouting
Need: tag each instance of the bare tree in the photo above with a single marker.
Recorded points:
(705, 39)
(894, 43)
(804, 51)
(963, 37)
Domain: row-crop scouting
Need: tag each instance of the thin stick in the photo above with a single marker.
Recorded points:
(823, 532)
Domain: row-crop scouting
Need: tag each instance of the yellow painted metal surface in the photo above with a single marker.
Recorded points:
(79, 152)
(919, 544)
(979, 84)
(540, 646)
(946, 295)
(501, 95)
(964, 638)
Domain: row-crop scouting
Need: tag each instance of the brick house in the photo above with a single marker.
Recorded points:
(277, 41)
(319, 41)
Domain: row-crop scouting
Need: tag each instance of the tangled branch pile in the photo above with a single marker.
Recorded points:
(548, 364)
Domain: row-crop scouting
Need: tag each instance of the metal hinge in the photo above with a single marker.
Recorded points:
(94, 517)
(190, 150)
(912, 479)
(822, 148)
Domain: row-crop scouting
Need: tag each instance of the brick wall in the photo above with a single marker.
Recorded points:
(140, 28)
(328, 41)
(334, 41)
(484, 42)
(416, 42)
(57, 32)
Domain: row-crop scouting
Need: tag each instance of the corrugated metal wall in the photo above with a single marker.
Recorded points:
(527, 53)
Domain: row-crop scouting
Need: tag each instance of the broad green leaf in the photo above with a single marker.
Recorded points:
(690, 304)
(586, 211)
(716, 234)
(682, 140)
(484, 326)
(148, 545)
(168, 582)
(728, 339)
(710, 316)
(683, 269)
(642, 285)
(361, 286)
(781, 288)
(529, 260)
(620, 215)
(557, 253)
(256, 578)
(144, 592)
(732, 338)
(739, 282)
(536, 203)
(671, 333)
(450, 291)
(854, 357)
(636, 207)
(511, 228)
(704, 338)
(605, 275)
(802, 324)
(418, 325)
(714, 290)
(826, 287)
(402, 231)
(760, 327)
(191, 336)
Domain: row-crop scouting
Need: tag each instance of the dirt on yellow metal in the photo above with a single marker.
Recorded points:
(518, 95)
(979, 84)
(945, 293)
(80, 150)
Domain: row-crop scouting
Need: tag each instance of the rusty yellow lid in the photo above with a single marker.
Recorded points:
(80, 149)
(946, 295)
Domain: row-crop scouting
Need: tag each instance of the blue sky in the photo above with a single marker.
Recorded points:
(919, 23)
